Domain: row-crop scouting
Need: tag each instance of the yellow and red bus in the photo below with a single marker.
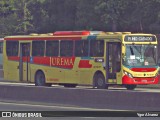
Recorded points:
(72, 58)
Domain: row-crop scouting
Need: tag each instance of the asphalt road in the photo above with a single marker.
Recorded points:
(138, 89)
(26, 106)
(30, 106)
(22, 107)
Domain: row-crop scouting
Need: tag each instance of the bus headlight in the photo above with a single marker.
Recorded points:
(128, 74)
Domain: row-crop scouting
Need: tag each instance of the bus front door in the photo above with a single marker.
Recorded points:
(24, 69)
(113, 61)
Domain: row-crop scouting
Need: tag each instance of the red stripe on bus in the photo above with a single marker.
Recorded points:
(61, 62)
(148, 80)
(15, 58)
(143, 69)
(41, 60)
(84, 64)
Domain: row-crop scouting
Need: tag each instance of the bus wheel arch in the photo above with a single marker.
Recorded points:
(99, 81)
(40, 79)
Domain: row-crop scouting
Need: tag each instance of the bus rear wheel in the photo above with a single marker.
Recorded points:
(130, 87)
(100, 81)
(40, 79)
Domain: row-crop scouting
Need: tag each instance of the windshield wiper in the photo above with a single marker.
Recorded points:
(132, 53)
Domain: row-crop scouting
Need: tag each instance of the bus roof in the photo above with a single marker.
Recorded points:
(70, 35)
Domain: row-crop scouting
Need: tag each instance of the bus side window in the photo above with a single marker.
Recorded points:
(12, 48)
(26, 50)
(81, 48)
(66, 48)
(52, 48)
(96, 48)
(150, 56)
(38, 48)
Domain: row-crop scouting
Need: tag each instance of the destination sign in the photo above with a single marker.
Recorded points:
(140, 39)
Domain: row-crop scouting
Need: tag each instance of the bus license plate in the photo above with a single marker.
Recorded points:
(144, 81)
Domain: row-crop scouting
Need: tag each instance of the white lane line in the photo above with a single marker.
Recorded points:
(10, 83)
(56, 106)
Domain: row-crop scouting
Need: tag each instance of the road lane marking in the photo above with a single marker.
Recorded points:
(56, 106)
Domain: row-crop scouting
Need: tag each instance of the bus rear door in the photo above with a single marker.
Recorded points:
(24, 62)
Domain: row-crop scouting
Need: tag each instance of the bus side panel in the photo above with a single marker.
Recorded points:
(87, 70)
(52, 74)
(10, 66)
(11, 71)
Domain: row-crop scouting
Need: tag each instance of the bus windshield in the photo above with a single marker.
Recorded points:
(140, 55)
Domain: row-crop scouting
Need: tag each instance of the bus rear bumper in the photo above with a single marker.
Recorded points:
(139, 81)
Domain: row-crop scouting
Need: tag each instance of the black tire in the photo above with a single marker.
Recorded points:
(70, 85)
(40, 79)
(130, 87)
(99, 82)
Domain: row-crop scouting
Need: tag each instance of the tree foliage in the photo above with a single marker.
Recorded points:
(44, 16)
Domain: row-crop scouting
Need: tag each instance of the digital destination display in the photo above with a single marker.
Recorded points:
(139, 38)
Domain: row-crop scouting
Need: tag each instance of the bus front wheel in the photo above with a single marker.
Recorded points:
(40, 79)
(100, 82)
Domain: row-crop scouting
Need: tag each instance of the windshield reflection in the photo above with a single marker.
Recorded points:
(140, 55)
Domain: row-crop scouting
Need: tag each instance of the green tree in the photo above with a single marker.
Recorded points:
(42, 16)
(86, 15)
(111, 12)
(24, 16)
(39, 16)
(59, 14)
(8, 17)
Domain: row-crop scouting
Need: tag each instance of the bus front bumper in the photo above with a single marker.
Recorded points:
(139, 81)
